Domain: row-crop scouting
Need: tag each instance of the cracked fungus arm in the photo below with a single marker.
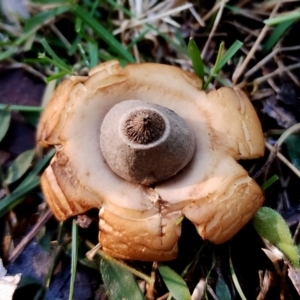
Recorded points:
(55, 114)
(236, 123)
(150, 239)
(64, 192)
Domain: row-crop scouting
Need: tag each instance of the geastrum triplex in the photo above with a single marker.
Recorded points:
(146, 146)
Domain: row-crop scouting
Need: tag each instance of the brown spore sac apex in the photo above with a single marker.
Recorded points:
(145, 143)
(144, 126)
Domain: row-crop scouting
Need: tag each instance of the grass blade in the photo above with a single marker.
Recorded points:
(138, 38)
(290, 16)
(74, 257)
(44, 59)
(39, 19)
(221, 61)
(174, 283)
(118, 7)
(235, 279)
(8, 53)
(214, 71)
(103, 33)
(5, 117)
(56, 76)
(119, 263)
(55, 258)
(180, 48)
(22, 108)
(195, 56)
(269, 182)
(194, 260)
(229, 54)
(58, 61)
(279, 30)
(93, 54)
(119, 282)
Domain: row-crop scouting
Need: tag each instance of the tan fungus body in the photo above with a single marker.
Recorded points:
(137, 221)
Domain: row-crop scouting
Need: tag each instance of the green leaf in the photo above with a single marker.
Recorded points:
(17, 196)
(19, 167)
(195, 56)
(103, 33)
(31, 117)
(28, 280)
(291, 251)
(293, 147)
(174, 283)
(39, 166)
(44, 237)
(271, 226)
(5, 117)
(119, 282)
(222, 290)
(30, 182)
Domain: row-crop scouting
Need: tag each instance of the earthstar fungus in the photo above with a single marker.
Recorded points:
(146, 146)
